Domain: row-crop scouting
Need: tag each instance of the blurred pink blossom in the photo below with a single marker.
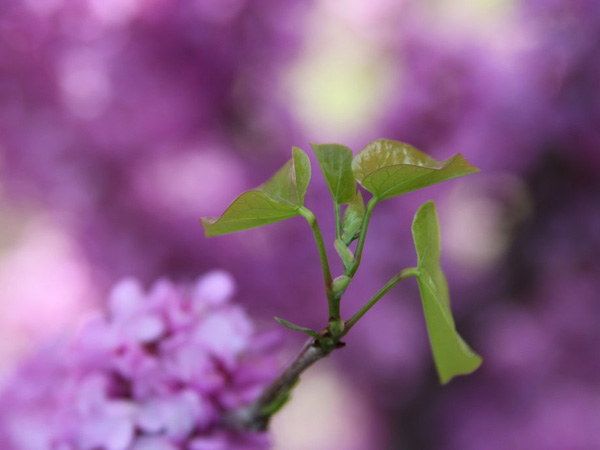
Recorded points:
(157, 371)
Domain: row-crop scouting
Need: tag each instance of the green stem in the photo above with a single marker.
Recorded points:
(362, 237)
(338, 225)
(314, 226)
(410, 272)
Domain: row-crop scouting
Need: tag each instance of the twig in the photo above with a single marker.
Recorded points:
(254, 416)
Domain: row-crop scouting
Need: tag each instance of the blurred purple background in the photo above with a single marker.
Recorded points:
(124, 121)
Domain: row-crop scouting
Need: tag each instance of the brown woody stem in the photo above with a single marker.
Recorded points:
(256, 416)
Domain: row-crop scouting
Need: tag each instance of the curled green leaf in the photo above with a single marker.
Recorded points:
(295, 327)
(388, 168)
(344, 253)
(336, 163)
(280, 198)
(451, 354)
(339, 285)
(353, 218)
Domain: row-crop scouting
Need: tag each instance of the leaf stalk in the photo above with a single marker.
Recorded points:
(361, 239)
(333, 303)
(406, 273)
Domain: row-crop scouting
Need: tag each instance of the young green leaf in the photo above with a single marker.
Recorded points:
(290, 182)
(388, 168)
(451, 354)
(251, 209)
(278, 199)
(295, 327)
(344, 253)
(339, 285)
(353, 218)
(336, 163)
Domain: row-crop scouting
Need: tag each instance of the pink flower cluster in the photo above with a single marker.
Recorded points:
(156, 373)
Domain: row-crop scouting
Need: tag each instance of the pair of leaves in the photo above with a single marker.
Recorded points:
(451, 354)
(278, 199)
(293, 326)
(282, 197)
(388, 168)
(385, 168)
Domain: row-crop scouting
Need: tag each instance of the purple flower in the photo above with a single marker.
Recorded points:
(157, 372)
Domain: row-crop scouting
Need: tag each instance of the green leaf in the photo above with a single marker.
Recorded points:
(339, 285)
(336, 163)
(353, 218)
(388, 168)
(344, 253)
(290, 182)
(295, 327)
(451, 354)
(251, 209)
(278, 199)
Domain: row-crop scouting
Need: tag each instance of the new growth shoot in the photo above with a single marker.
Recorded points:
(385, 169)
